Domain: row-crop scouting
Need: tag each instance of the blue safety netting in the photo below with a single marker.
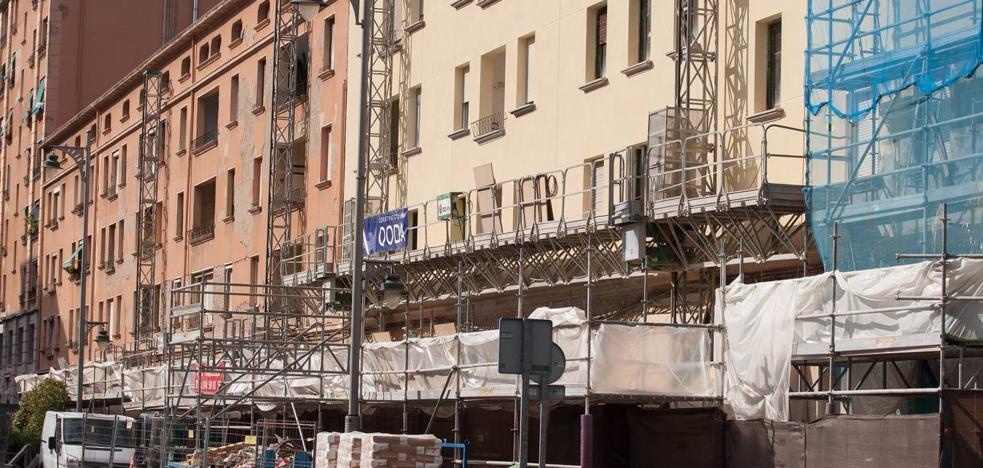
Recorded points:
(895, 127)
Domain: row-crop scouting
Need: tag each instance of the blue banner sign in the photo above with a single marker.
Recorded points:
(385, 232)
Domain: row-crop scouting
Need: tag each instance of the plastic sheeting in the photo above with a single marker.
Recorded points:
(765, 327)
(102, 380)
(628, 360)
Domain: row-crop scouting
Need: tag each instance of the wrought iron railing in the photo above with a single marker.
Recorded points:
(201, 232)
(488, 125)
(204, 139)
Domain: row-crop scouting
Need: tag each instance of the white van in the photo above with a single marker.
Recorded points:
(79, 440)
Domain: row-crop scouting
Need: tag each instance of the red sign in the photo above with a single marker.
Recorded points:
(208, 383)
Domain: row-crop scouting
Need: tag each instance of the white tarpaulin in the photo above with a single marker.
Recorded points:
(101, 380)
(629, 359)
(767, 323)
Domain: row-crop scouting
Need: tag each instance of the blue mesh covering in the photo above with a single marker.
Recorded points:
(895, 127)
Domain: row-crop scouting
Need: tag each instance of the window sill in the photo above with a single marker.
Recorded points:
(766, 116)
(261, 24)
(178, 238)
(412, 151)
(181, 152)
(235, 43)
(119, 261)
(486, 3)
(106, 130)
(323, 184)
(184, 77)
(211, 59)
(418, 25)
(124, 118)
(326, 73)
(524, 109)
(112, 196)
(228, 219)
(459, 134)
(232, 124)
(258, 109)
(594, 85)
(202, 239)
(255, 209)
(638, 68)
(460, 3)
(493, 135)
(203, 148)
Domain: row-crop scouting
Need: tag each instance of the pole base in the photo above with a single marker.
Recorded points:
(353, 423)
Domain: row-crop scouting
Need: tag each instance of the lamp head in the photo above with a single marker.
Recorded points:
(52, 162)
(392, 291)
(307, 8)
(102, 339)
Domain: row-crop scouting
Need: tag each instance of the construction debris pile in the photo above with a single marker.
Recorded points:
(357, 449)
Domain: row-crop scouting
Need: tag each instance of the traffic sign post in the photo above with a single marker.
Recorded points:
(526, 348)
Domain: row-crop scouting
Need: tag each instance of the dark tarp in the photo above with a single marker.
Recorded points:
(873, 441)
(964, 427)
(691, 438)
(765, 444)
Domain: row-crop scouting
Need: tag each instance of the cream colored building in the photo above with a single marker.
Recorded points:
(513, 94)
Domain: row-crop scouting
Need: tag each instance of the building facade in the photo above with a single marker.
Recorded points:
(57, 57)
(214, 76)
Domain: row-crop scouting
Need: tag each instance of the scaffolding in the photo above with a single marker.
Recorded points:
(916, 365)
(894, 124)
(147, 320)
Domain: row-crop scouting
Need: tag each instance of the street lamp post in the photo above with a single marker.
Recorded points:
(307, 8)
(80, 156)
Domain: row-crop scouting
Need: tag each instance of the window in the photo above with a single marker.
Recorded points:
(102, 248)
(302, 53)
(461, 111)
(600, 42)
(119, 241)
(492, 95)
(415, 105)
(179, 222)
(253, 278)
(260, 82)
(114, 175)
(186, 66)
(263, 12)
(640, 38)
(230, 189)
(207, 126)
(527, 53)
(121, 181)
(774, 71)
(326, 155)
(165, 82)
(111, 247)
(204, 208)
(216, 45)
(107, 123)
(126, 110)
(328, 43)
(113, 320)
(234, 99)
(203, 53)
(116, 316)
(236, 31)
(415, 13)
(183, 129)
(257, 179)
(106, 180)
(227, 279)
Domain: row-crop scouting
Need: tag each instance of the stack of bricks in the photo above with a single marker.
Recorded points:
(375, 449)
(326, 449)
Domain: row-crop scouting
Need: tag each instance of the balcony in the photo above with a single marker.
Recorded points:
(488, 128)
(201, 233)
(207, 139)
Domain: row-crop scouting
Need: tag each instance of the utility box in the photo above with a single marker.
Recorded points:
(450, 205)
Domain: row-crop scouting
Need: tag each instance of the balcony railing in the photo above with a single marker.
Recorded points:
(207, 138)
(488, 125)
(201, 233)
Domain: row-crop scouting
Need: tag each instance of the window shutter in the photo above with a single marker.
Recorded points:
(602, 27)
